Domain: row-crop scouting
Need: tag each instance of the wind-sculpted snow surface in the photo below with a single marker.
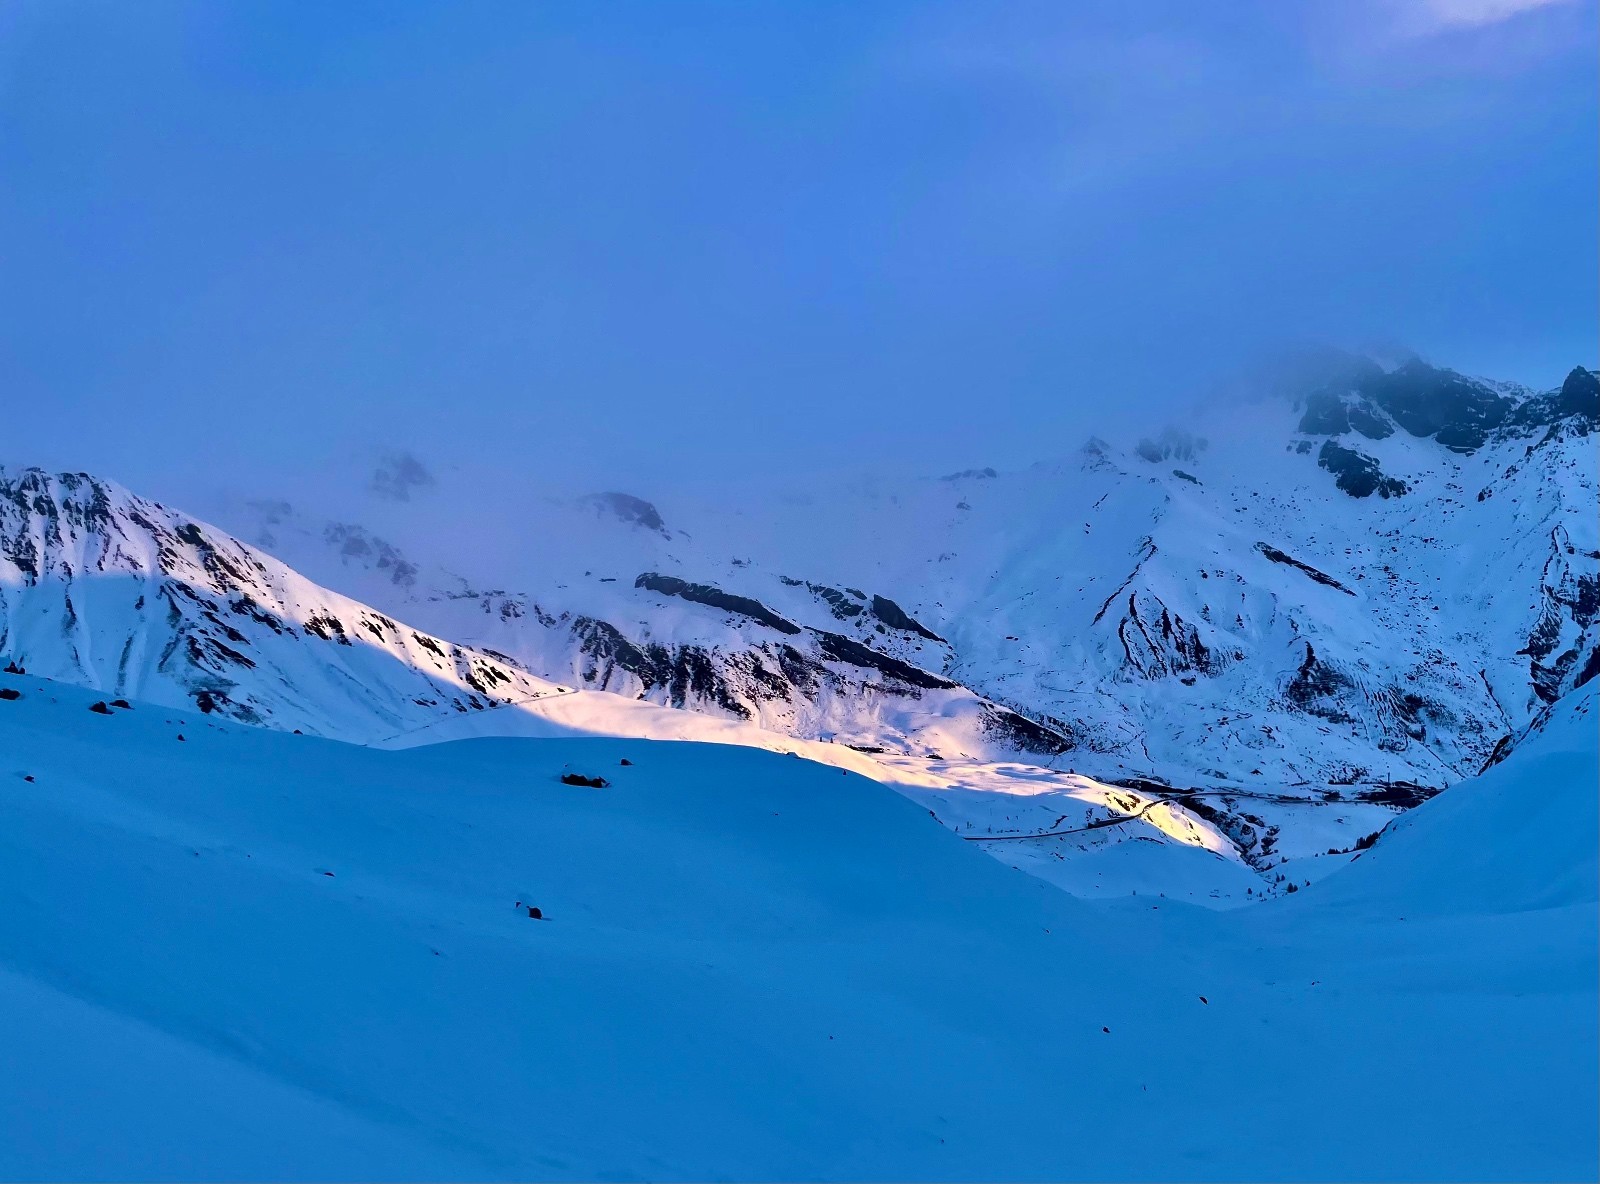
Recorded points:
(231, 952)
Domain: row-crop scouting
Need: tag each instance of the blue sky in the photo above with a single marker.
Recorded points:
(646, 238)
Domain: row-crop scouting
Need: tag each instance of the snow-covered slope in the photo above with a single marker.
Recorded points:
(111, 591)
(115, 593)
(1367, 585)
(1518, 839)
(247, 953)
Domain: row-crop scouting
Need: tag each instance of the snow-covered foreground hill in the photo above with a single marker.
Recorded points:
(244, 953)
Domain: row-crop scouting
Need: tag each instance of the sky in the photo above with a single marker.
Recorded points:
(613, 244)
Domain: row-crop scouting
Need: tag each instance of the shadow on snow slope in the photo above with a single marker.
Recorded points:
(749, 966)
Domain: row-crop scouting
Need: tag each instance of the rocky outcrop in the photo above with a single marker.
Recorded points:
(1563, 650)
(1288, 560)
(1158, 643)
(1358, 475)
(714, 597)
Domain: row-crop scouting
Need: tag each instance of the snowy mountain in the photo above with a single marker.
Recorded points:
(1368, 582)
(105, 589)
(745, 966)
(1208, 667)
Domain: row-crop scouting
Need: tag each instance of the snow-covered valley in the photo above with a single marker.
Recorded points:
(1365, 582)
(230, 952)
(1209, 667)
(1298, 752)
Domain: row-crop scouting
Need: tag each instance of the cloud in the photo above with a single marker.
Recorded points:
(1436, 16)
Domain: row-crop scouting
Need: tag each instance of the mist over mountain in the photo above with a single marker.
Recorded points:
(1257, 643)
(800, 591)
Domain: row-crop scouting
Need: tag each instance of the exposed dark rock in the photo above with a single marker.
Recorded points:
(1426, 401)
(1317, 687)
(1575, 405)
(853, 653)
(10, 693)
(1358, 475)
(1325, 415)
(1368, 422)
(1399, 795)
(354, 542)
(686, 674)
(1590, 668)
(1288, 560)
(1460, 413)
(892, 615)
(1009, 727)
(1157, 642)
(1189, 477)
(970, 474)
(331, 629)
(578, 779)
(715, 597)
(1580, 395)
(839, 603)
(1562, 651)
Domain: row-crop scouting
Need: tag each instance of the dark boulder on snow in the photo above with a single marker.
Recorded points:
(580, 779)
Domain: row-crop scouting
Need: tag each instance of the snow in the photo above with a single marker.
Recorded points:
(752, 966)
(1226, 622)
(1234, 636)
(1050, 586)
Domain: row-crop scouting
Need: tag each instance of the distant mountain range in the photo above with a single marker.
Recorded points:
(1373, 579)
(1354, 591)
